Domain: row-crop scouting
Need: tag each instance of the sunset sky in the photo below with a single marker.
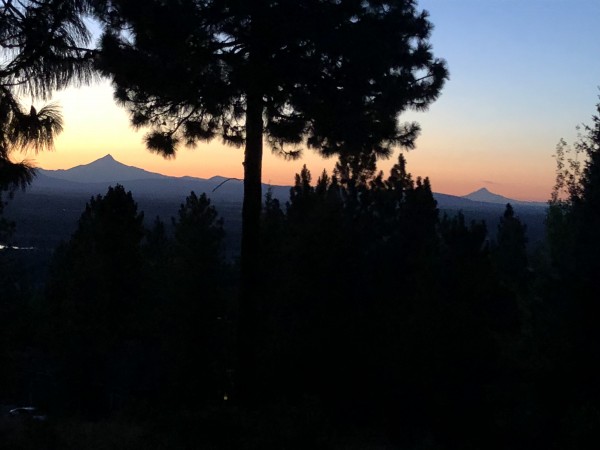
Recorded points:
(523, 74)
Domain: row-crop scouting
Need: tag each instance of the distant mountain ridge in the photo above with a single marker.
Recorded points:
(48, 210)
(484, 195)
(105, 169)
(95, 177)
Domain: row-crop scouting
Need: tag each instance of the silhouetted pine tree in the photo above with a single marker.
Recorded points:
(342, 281)
(95, 298)
(570, 291)
(510, 250)
(42, 48)
(293, 72)
(198, 237)
(197, 315)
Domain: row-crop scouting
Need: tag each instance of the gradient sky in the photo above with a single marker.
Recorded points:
(524, 73)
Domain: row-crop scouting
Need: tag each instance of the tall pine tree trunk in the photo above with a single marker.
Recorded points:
(246, 379)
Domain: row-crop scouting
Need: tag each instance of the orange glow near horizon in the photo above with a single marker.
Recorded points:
(455, 164)
(513, 93)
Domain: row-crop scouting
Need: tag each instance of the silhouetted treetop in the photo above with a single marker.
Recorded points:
(199, 232)
(510, 251)
(110, 230)
(325, 74)
(334, 75)
(574, 214)
(42, 48)
(97, 273)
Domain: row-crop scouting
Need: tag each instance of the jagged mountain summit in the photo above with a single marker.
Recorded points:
(95, 177)
(106, 169)
(47, 211)
(485, 196)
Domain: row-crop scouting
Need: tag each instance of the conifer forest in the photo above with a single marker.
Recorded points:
(354, 315)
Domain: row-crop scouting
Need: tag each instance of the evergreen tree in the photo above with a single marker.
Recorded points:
(272, 222)
(293, 72)
(586, 206)
(198, 236)
(572, 288)
(510, 250)
(196, 312)
(574, 216)
(42, 48)
(95, 298)
(356, 241)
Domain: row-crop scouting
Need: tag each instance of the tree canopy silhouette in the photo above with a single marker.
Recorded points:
(510, 249)
(95, 291)
(574, 216)
(43, 48)
(328, 75)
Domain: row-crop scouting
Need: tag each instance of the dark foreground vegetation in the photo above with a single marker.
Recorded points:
(383, 324)
(358, 316)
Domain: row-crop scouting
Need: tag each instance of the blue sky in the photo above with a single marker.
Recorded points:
(523, 75)
(517, 58)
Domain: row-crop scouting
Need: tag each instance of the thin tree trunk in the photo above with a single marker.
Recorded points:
(250, 252)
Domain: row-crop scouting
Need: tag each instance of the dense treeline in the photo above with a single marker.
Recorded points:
(383, 323)
(390, 315)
